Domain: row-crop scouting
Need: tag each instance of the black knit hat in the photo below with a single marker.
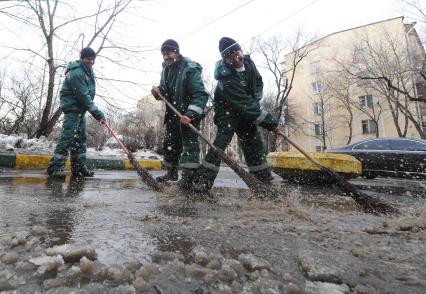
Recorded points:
(170, 45)
(227, 46)
(87, 53)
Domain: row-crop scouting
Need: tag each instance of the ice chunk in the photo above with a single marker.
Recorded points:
(86, 265)
(227, 274)
(253, 263)
(31, 244)
(50, 262)
(72, 253)
(10, 258)
(200, 256)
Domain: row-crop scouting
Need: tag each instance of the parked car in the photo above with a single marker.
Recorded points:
(401, 157)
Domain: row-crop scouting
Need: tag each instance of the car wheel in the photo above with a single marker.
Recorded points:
(369, 175)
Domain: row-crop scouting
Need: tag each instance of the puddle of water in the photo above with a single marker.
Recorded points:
(115, 216)
(103, 214)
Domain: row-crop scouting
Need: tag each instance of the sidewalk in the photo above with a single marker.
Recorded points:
(31, 161)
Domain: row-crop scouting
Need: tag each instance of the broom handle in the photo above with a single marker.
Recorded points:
(189, 124)
(319, 165)
(118, 140)
(279, 132)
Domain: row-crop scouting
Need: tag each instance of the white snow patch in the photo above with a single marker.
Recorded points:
(41, 146)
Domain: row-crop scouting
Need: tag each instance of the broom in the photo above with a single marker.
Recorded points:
(143, 173)
(251, 181)
(368, 203)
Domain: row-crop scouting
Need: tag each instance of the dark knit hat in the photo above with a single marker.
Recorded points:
(87, 53)
(227, 46)
(170, 45)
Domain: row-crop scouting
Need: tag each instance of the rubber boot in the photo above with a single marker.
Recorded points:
(57, 175)
(201, 184)
(171, 175)
(185, 183)
(264, 176)
(83, 172)
(55, 169)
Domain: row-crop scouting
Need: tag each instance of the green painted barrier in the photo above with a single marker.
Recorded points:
(113, 164)
(7, 159)
(32, 161)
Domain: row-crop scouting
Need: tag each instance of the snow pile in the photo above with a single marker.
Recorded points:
(8, 143)
(13, 143)
(42, 146)
(115, 153)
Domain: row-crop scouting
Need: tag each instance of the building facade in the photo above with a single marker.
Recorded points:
(341, 92)
(152, 110)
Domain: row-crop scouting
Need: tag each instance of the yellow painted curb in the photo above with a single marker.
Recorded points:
(146, 164)
(25, 161)
(340, 163)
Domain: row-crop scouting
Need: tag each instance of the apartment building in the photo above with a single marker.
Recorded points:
(152, 111)
(339, 94)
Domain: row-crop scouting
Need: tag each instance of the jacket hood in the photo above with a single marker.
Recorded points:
(72, 65)
(221, 70)
(77, 64)
(187, 62)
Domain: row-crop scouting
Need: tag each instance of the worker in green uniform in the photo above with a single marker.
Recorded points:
(182, 85)
(237, 110)
(76, 98)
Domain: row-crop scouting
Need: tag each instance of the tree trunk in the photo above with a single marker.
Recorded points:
(49, 125)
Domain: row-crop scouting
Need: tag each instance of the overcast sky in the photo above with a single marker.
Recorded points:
(198, 25)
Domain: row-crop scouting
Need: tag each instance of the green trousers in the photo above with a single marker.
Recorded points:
(251, 144)
(180, 146)
(73, 139)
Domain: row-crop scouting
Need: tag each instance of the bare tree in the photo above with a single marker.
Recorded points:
(207, 126)
(387, 69)
(133, 127)
(268, 104)
(97, 136)
(54, 23)
(338, 86)
(324, 120)
(416, 11)
(19, 114)
(283, 71)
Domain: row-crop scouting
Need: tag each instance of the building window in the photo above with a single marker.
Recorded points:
(316, 87)
(360, 55)
(366, 101)
(317, 108)
(361, 81)
(369, 126)
(315, 67)
(319, 149)
(319, 129)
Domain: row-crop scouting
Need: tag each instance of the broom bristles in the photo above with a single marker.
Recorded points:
(368, 203)
(251, 181)
(145, 175)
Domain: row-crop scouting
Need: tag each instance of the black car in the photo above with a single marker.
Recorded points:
(401, 157)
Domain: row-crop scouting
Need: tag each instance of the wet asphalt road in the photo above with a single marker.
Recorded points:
(124, 220)
(107, 210)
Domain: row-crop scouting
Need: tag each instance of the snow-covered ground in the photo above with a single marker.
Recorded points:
(44, 147)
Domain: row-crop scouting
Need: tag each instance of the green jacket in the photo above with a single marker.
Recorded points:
(237, 95)
(78, 90)
(181, 84)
